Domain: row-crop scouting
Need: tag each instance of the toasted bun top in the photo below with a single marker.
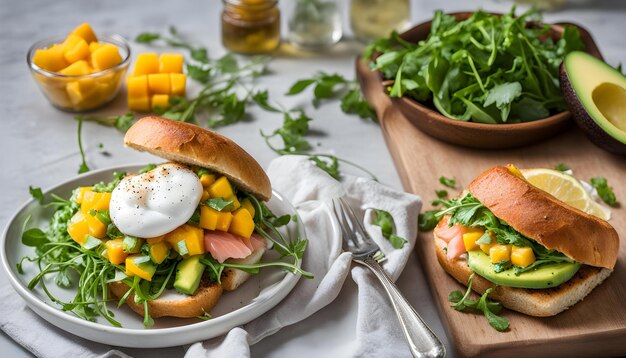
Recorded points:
(545, 219)
(190, 144)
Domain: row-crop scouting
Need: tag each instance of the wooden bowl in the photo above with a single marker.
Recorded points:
(481, 135)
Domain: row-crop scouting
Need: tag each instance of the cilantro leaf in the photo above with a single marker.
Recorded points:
(605, 192)
(300, 86)
(332, 167)
(561, 167)
(441, 193)
(427, 220)
(490, 309)
(36, 193)
(384, 220)
(147, 37)
(353, 102)
(261, 98)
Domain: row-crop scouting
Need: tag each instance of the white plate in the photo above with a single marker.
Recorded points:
(259, 294)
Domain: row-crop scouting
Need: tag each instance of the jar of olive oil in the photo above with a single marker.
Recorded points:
(251, 26)
(372, 19)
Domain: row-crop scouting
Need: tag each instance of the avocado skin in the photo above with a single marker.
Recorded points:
(595, 134)
(548, 276)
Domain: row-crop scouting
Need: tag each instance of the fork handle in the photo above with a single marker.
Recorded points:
(422, 341)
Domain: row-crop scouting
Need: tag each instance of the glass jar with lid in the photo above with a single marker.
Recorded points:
(251, 26)
(372, 19)
(314, 24)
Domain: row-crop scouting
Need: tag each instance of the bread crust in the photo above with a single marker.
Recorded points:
(533, 302)
(205, 298)
(545, 219)
(190, 144)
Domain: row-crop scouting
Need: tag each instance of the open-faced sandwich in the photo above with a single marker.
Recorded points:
(169, 239)
(542, 255)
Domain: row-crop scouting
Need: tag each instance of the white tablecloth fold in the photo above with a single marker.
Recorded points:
(378, 333)
(310, 190)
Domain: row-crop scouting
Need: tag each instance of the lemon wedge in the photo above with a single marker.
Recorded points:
(566, 188)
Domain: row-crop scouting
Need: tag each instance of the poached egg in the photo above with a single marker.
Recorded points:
(157, 202)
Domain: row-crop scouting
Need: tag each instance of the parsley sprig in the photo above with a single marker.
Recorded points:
(491, 309)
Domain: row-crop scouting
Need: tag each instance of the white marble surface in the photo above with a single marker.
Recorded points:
(38, 143)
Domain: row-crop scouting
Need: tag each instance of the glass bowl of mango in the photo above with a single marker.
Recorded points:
(81, 71)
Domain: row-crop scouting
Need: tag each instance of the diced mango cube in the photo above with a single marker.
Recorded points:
(76, 52)
(178, 84)
(106, 56)
(139, 104)
(154, 240)
(159, 83)
(487, 247)
(78, 228)
(193, 237)
(94, 46)
(81, 193)
(136, 266)
(469, 239)
(96, 201)
(171, 63)
(76, 95)
(85, 31)
(205, 195)
(146, 63)
(137, 86)
(70, 42)
(115, 251)
(499, 253)
(207, 179)
(522, 256)
(242, 223)
(224, 218)
(77, 68)
(247, 204)
(160, 101)
(235, 205)
(221, 188)
(159, 252)
(97, 229)
(208, 217)
(50, 59)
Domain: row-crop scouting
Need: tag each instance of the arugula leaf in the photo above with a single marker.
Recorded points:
(36, 193)
(561, 167)
(331, 168)
(353, 102)
(490, 309)
(605, 192)
(103, 187)
(441, 193)
(450, 183)
(384, 220)
(147, 37)
(147, 168)
(121, 123)
(218, 204)
(427, 220)
(261, 98)
(292, 133)
(486, 68)
(300, 86)
(34, 237)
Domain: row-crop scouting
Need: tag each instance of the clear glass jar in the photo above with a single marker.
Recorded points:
(372, 19)
(251, 26)
(314, 24)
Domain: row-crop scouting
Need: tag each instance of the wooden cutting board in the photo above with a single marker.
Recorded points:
(593, 327)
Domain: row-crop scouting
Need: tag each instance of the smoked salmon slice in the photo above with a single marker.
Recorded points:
(223, 245)
(453, 235)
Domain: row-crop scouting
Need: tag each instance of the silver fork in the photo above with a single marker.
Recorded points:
(422, 341)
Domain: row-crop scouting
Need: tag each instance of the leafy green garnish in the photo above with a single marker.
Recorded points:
(83, 164)
(605, 192)
(218, 204)
(561, 167)
(427, 220)
(450, 183)
(487, 68)
(331, 167)
(147, 168)
(103, 187)
(329, 86)
(121, 122)
(462, 302)
(384, 220)
(441, 193)
(36, 193)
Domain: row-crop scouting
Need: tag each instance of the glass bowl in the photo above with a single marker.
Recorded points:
(83, 92)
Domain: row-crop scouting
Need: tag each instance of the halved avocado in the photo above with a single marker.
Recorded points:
(596, 95)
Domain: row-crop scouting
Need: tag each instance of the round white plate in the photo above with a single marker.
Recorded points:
(259, 294)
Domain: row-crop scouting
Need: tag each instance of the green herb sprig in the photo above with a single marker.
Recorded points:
(385, 221)
(491, 309)
(605, 192)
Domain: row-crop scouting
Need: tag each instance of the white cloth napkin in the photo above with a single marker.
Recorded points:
(310, 190)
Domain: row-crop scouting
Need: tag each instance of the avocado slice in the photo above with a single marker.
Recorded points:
(595, 93)
(545, 276)
(188, 274)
